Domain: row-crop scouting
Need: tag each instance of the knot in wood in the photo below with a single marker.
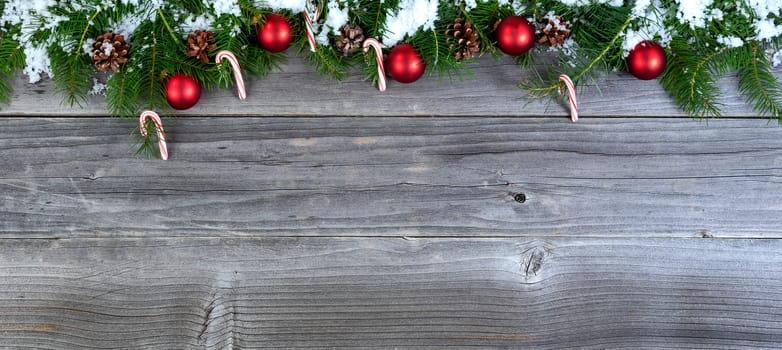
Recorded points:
(532, 262)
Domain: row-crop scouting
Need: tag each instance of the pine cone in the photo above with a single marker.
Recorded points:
(463, 39)
(553, 30)
(109, 51)
(199, 44)
(350, 39)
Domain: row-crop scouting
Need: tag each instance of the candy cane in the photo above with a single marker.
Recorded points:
(311, 17)
(161, 135)
(235, 67)
(571, 93)
(381, 71)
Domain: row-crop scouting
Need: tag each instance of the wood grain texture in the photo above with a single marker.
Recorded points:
(298, 91)
(411, 177)
(383, 293)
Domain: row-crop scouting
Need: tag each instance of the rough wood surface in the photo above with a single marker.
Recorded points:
(329, 231)
(394, 177)
(298, 91)
(383, 293)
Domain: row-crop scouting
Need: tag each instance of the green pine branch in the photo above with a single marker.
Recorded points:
(759, 85)
(596, 50)
(690, 77)
(11, 60)
(71, 68)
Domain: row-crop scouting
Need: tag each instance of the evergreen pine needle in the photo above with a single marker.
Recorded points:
(759, 85)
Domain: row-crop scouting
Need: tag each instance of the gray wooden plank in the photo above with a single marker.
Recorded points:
(298, 91)
(237, 293)
(394, 177)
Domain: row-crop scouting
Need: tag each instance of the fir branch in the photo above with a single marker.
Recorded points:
(152, 73)
(545, 90)
(327, 61)
(436, 47)
(698, 72)
(86, 30)
(372, 15)
(165, 22)
(118, 98)
(759, 85)
(11, 58)
(146, 146)
(71, 70)
(72, 75)
(690, 76)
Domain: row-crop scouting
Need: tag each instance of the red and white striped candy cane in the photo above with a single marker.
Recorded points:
(161, 135)
(571, 93)
(311, 17)
(236, 69)
(381, 71)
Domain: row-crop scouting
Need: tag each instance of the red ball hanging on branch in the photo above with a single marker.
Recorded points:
(515, 35)
(275, 35)
(182, 91)
(405, 64)
(647, 60)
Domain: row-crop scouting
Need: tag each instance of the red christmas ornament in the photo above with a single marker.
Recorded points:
(647, 60)
(275, 35)
(515, 35)
(405, 64)
(182, 91)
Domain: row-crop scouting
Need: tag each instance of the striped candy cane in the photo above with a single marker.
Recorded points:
(571, 93)
(311, 17)
(161, 135)
(381, 71)
(236, 69)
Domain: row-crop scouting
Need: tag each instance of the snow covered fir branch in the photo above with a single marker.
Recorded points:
(146, 54)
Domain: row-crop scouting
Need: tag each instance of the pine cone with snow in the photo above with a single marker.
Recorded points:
(463, 39)
(350, 39)
(553, 30)
(109, 51)
(199, 44)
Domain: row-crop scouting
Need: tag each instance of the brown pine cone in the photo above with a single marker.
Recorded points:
(109, 51)
(463, 39)
(199, 44)
(553, 30)
(350, 39)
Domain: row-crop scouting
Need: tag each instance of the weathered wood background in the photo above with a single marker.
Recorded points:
(326, 215)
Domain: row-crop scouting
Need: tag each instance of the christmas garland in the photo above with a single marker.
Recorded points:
(157, 54)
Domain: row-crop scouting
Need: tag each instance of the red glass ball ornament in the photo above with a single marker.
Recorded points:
(647, 60)
(182, 91)
(275, 35)
(515, 35)
(405, 64)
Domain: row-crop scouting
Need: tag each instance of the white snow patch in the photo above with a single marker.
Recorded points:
(776, 58)
(694, 12)
(587, 2)
(98, 88)
(293, 5)
(126, 26)
(36, 63)
(411, 16)
(193, 23)
(230, 7)
(730, 41)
